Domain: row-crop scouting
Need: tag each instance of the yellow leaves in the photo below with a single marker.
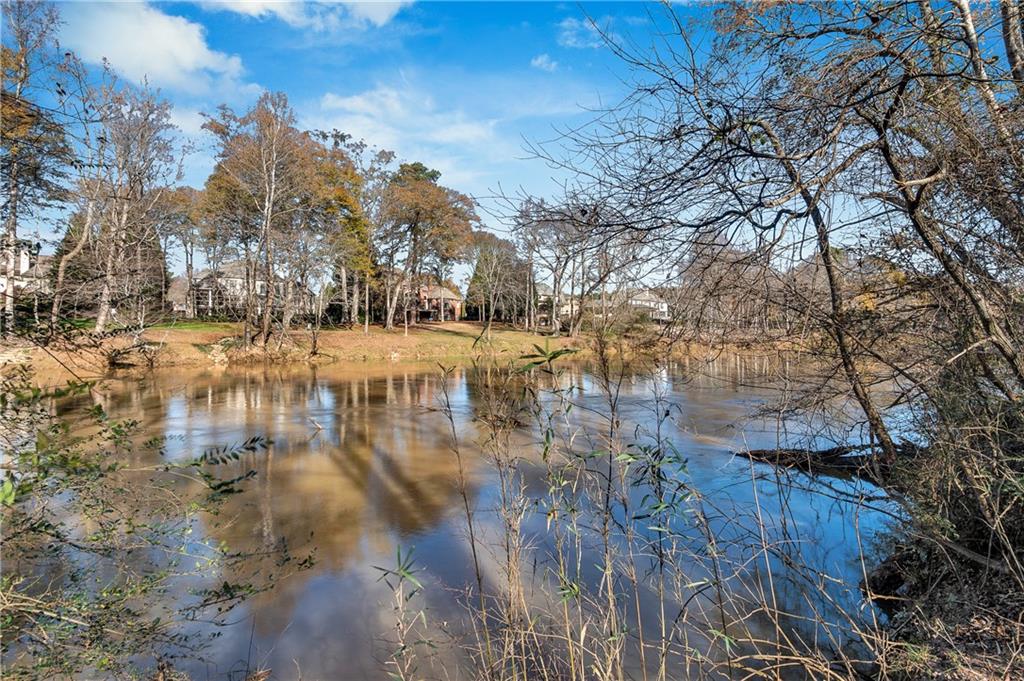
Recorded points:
(866, 301)
(20, 121)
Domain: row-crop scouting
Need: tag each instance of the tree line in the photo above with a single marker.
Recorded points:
(317, 225)
(298, 210)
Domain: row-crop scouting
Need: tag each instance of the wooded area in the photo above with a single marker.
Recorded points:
(315, 226)
(844, 180)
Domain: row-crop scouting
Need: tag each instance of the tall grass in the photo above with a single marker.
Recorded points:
(600, 561)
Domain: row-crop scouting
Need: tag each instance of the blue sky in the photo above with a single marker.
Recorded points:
(457, 85)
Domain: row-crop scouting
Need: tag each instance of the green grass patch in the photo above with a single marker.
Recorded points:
(196, 325)
(79, 322)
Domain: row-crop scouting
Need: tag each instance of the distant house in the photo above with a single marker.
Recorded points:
(221, 292)
(437, 303)
(567, 304)
(649, 304)
(31, 273)
(544, 294)
(642, 304)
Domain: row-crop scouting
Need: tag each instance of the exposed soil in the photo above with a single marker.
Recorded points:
(966, 625)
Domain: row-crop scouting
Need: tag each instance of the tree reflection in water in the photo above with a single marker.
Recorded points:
(361, 463)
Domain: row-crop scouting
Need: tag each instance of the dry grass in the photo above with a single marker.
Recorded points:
(199, 345)
(210, 344)
(428, 341)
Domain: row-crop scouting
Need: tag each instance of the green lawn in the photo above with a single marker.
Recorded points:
(79, 322)
(197, 325)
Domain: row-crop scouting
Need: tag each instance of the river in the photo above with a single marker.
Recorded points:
(361, 466)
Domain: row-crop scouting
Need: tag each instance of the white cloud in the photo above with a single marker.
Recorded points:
(288, 12)
(585, 34)
(474, 136)
(544, 63)
(318, 16)
(141, 42)
(410, 122)
(188, 120)
(388, 116)
(378, 12)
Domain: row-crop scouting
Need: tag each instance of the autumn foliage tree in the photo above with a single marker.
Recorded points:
(261, 155)
(425, 227)
(31, 136)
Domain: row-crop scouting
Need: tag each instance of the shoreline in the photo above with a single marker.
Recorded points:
(208, 345)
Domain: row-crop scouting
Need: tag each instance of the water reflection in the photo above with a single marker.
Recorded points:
(361, 463)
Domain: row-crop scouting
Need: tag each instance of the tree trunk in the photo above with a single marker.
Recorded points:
(11, 244)
(346, 314)
(530, 321)
(555, 304)
(62, 266)
(268, 296)
(190, 297)
(1013, 41)
(110, 274)
(390, 305)
(490, 320)
(250, 298)
(354, 304)
(288, 306)
(103, 312)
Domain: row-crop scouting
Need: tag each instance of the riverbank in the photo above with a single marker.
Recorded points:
(182, 342)
(211, 344)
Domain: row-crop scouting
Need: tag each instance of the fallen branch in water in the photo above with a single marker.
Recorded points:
(864, 461)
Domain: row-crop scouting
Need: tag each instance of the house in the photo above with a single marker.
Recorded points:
(437, 303)
(544, 295)
(649, 304)
(221, 292)
(567, 304)
(31, 271)
(639, 304)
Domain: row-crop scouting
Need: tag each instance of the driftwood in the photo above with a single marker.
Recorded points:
(863, 461)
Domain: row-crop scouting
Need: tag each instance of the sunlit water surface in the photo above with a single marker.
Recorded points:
(362, 464)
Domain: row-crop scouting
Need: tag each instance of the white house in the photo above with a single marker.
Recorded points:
(650, 304)
(32, 271)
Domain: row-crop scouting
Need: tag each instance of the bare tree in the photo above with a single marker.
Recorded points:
(141, 166)
(85, 105)
(496, 277)
(859, 166)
